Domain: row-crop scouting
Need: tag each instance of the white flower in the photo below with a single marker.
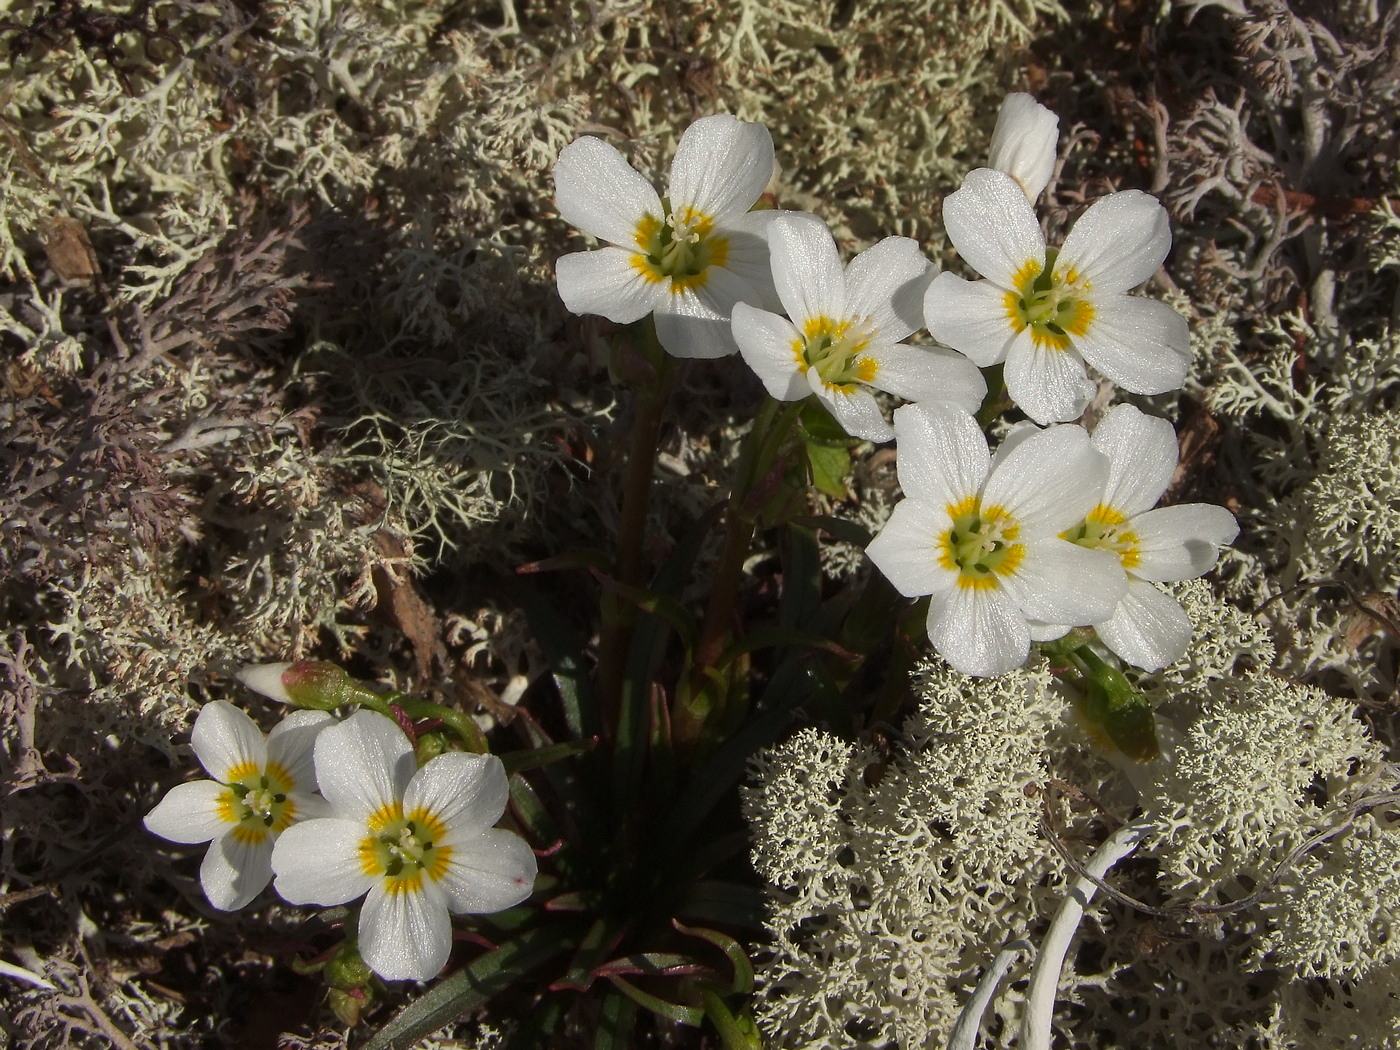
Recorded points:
(980, 535)
(686, 259)
(1024, 141)
(420, 842)
(260, 787)
(1045, 312)
(846, 328)
(1148, 628)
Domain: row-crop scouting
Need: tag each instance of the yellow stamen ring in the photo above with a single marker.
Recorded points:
(979, 546)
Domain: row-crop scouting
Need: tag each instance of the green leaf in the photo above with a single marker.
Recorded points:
(819, 426)
(772, 637)
(725, 903)
(615, 1022)
(840, 528)
(517, 761)
(563, 652)
(538, 1024)
(831, 465)
(690, 1015)
(656, 963)
(600, 939)
(738, 958)
(585, 559)
(738, 1033)
(470, 987)
(663, 606)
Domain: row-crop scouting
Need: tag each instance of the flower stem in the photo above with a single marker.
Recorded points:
(654, 373)
(756, 459)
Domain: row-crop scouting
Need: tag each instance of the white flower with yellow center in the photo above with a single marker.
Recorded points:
(419, 842)
(845, 329)
(1045, 312)
(1148, 628)
(686, 259)
(981, 535)
(1024, 141)
(260, 787)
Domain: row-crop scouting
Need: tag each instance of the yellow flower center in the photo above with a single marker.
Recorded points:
(679, 248)
(256, 801)
(1103, 529)
(403, 849)
(1051, 302)
(980, 545)
(834, 349)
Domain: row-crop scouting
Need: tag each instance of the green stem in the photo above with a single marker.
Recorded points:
(656, 374)
(761, 447)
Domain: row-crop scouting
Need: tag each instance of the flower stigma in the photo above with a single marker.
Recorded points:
(980, 545)
(1102, 529)
(680, 247)
(834, 349)
(1049, 302)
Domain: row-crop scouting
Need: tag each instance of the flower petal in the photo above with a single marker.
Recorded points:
(943, 456)
(695, 322)
(225, 739)
(605, 282)
(490, 870)
(318, 862)
(1047, 632)
(855, 409)
(722, 165)
(993, 226)
(907, 548)
(363, 764)
(291, 744)
(266, 679)
(596, 190)
(747, 256)
(1141, 344)
(1181, 542)
(1024, 141)
(234, 872)
(308, 806)
(770, 344)
(979, 631)
(1148, 629)
(1058, 582)
(1047, 384)
(189, 813)
(1118, 243)
(1142, 455)
(1048, 482)
(969, 316)
(807, 270)
(886, 283)
(463, 791)
(926, 373)
(405, 936)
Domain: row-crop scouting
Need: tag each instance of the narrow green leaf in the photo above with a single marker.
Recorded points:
(539, 1024)
(615, 1023)
(738, 958)
(690, 1015)
(738, 1033)
(518, 761)
(725, 903)
(585, 559)
(563, 652)
(839, 528)
(663, 606)
(470, 987)
(601, 938)
(656, 963)
(772, 637)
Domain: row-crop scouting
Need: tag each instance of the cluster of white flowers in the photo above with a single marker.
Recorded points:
(1057, 529)
(336, 810)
